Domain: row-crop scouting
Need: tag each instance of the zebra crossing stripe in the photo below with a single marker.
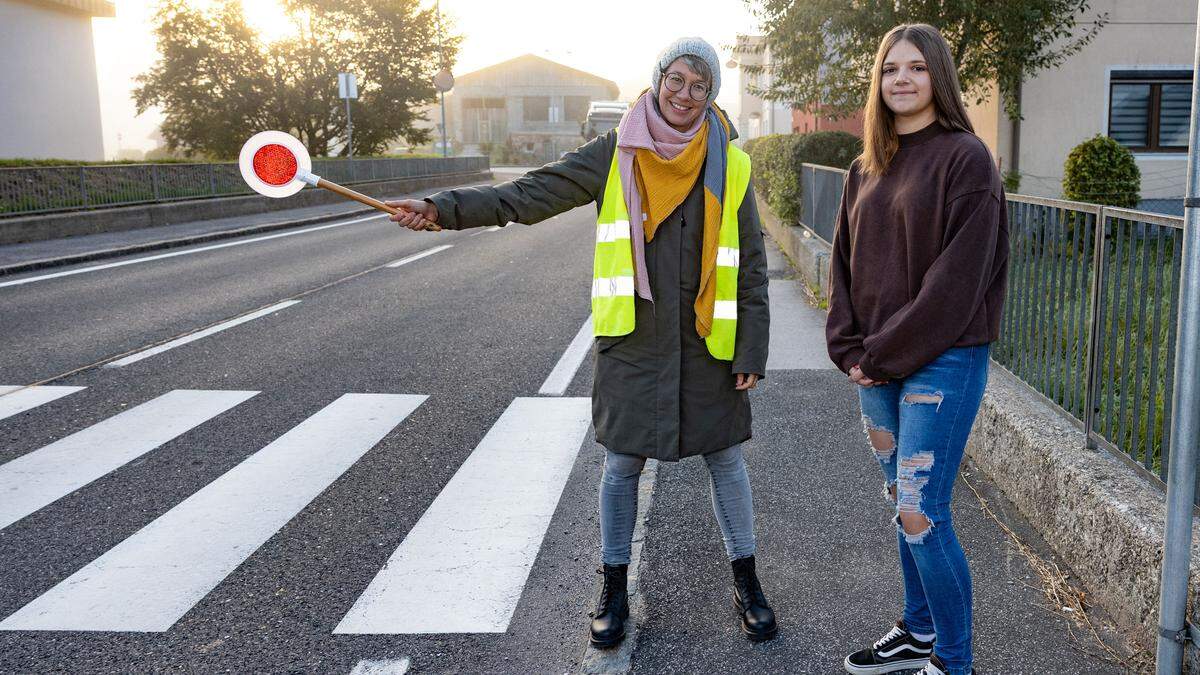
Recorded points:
(381, 667)
(150, 580)
(17, 399)
(470, 554)
(43, 476)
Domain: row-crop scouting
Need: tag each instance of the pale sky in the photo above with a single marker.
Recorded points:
(615, 39)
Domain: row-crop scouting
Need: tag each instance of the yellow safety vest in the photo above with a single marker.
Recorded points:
(612, 273)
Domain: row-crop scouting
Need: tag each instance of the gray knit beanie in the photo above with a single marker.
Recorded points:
(696, 47)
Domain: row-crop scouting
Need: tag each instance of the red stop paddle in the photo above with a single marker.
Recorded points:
(275, 164)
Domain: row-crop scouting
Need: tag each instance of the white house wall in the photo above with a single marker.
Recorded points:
(51, 102)
(757, 116)
(1065, 106)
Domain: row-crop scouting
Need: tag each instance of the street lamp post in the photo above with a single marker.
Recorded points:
(444, 80)
(1173, 629)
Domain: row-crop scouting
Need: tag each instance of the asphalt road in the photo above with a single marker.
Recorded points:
(366, 476)
(453, 326)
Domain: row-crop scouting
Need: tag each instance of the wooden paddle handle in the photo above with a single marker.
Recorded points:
(369, 201)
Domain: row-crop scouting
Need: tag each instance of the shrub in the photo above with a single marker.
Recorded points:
(828, 148)
(1012, 181)
(1102, 171)
(777, 159)
(774, 176)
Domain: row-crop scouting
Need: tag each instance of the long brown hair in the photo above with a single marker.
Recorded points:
(880, 140)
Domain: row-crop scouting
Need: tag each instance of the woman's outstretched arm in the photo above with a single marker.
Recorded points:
(576, 179)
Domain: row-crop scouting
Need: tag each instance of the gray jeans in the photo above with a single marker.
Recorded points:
(732, 503)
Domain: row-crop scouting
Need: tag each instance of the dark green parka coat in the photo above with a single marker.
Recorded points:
(658, 392)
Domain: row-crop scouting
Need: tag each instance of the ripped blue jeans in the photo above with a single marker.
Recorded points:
(926, 419)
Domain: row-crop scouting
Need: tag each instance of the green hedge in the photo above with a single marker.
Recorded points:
(774, 178)
(777, 159)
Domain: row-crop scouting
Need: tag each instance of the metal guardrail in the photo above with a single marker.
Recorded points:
(31, 190)
(1090, 317)
(821, 187)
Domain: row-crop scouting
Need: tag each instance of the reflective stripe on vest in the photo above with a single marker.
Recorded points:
(612, 272)
(612, 275)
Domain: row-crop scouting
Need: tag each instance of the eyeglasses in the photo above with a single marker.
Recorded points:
(674, 83)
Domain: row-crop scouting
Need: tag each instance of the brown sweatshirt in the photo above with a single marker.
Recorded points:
(920, 257)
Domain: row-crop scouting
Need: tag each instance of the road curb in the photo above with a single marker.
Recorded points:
(1105, 521)
(176, 242)
(619, 660)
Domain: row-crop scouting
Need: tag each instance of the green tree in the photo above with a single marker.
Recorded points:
(218, 83)
(822, 51)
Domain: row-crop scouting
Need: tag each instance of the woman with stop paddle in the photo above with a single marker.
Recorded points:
(679, 305)
(917, 285)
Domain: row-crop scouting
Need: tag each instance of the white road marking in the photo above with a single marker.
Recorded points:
(486, 230)
(18, 399)
(418, 256)
(43, 476)
(190, 251)
(381, 667)
(564, 371)
(147, 353)
(150, 580)
(797, 340)
(470, 554)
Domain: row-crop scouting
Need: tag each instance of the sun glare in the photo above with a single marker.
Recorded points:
(265, 16)
(268, 18)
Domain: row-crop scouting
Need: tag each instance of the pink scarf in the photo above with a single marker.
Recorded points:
(644, 127)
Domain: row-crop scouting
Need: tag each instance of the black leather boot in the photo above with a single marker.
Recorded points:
(612, 609)
(758, 620)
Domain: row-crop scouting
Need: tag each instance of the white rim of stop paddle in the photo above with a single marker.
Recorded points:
(246, 163)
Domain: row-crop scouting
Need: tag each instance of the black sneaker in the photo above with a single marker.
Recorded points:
(898, 650)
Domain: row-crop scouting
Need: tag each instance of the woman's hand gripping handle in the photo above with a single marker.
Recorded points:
(415, 214)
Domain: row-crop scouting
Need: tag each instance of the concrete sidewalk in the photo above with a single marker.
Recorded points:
(827, 549)
(15, 258)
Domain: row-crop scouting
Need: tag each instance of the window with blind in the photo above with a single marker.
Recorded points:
(1149, 111)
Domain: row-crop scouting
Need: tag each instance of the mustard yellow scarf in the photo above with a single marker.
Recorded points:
(663, 184)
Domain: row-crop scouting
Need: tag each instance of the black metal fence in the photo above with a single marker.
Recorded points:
(1090, 317)
(63, 188)
(821, 190)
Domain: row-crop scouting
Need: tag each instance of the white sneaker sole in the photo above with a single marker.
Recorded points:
(907, 664)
